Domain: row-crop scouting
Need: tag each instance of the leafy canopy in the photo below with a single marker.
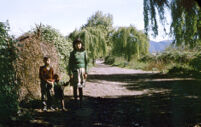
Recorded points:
(186, 24)
(127, 41)
(100, 19)
(51, 35)
(95, 34)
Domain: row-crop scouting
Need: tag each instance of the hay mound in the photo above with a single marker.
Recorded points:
(31, 51)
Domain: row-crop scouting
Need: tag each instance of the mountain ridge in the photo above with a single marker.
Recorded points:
(159, 46)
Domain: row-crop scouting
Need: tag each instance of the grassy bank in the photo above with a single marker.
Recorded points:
(174, 61)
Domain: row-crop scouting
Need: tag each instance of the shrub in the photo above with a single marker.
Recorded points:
(147, 58)
(8, 82)
(195, 63)
(53, 36)
(181, 70)
(109, 60)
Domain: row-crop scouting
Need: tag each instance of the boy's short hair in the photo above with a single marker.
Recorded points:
(56, 76)
(45, 58)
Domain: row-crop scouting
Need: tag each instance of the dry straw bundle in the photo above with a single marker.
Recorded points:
(31, 51)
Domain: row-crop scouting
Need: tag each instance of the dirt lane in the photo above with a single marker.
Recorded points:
(98, 84)
(118, 97)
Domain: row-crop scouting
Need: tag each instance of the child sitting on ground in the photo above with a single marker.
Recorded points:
(59, 91)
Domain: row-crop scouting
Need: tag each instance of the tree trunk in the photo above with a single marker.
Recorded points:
(94, 61)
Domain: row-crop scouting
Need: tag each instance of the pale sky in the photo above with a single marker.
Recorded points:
(68, 15)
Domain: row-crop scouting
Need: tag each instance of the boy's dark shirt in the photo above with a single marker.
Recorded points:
(46, 75)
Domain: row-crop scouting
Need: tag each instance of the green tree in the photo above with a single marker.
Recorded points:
(103, 22)
(129, 42)
(8, 83)
(94, 41)
(100, 19)
(186, 24)
(95, 34)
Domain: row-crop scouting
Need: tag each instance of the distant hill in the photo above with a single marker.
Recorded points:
(159, 46)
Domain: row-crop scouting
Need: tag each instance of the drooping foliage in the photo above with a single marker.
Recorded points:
(101, 38)
(186, 24)
(94, 41)
(8, 81)
(102, 22)
(150, 11)
(128, 42)
(95, 34)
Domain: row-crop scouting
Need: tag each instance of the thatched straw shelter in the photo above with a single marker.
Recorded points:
(31, 51)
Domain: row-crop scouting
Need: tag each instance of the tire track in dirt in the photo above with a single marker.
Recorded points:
(119, 97)
(106, 81)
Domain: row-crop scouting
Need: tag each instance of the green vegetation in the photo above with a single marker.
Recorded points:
(185, 25)
(100, 19)
(95, 35)
(128, 42)
(101, 39)
(94, 41)
(8, 81)
(63, 45)
(178, 60)
(121, 46)
(183, 58)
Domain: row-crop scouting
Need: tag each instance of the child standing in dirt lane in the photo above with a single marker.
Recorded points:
(78, 68)
(46, 74)
(59, 91)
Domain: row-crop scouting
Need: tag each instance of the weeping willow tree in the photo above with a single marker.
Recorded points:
(100, 19)
(94, 41)
(186, 24)
(128, 42)
(95, 34)
(102, 22)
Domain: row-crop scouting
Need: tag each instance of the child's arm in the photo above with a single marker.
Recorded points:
(41, 73)
(86, 65)
(51, 81)
(70, 64)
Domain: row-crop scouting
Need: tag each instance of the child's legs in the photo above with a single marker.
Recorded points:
(82, 78)
(78, 76)
(79, 81)
(82, 82)
(62, 103)
(80, 93)
(61, 96)
(75, 91)
(49, 97)
(75, 83)
(43, 93)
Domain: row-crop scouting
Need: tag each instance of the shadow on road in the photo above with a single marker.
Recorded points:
(177, 104)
